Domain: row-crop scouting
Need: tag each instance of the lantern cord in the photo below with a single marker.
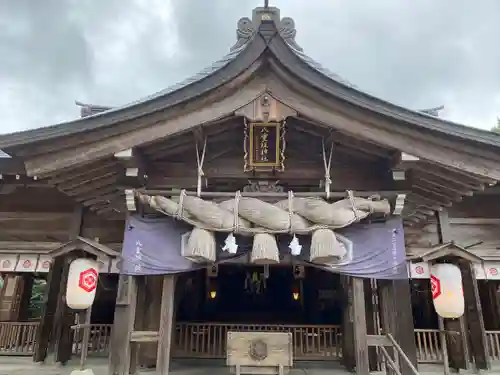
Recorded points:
(200, 159)
(327, 164)
(236, 223)
(290, 211)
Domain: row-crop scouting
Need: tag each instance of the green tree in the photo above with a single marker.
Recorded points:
(496, 128)
(36, 301)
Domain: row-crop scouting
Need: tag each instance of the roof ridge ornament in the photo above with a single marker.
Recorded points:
(246, 27)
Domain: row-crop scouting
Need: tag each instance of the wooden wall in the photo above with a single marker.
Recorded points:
(474, 224)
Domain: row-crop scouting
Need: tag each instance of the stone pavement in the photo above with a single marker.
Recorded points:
(25, 366)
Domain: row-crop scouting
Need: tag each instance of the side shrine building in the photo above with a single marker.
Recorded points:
(262, 212)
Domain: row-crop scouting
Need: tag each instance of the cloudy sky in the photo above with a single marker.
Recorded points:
(417, 54)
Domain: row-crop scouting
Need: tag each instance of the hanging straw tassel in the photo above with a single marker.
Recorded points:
(325, 248)
(201, 247)
(265, 249)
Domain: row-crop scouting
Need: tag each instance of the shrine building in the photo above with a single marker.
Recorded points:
(261, 214)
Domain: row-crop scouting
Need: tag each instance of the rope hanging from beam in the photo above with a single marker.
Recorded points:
(254, 217)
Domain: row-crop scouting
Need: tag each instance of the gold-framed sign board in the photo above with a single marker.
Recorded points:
(264, 146)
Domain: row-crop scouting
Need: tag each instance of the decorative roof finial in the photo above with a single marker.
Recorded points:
(248, 27)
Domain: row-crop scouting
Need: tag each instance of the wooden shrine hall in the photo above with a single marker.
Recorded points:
(275, 182)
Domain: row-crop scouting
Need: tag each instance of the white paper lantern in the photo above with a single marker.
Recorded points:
(447, 290)
(82, 283)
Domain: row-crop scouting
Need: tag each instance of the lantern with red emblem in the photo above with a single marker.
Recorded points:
(447, 290)
(82, 283)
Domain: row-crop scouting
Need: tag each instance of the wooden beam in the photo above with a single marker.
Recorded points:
(166, 322)
(98, 192)
(218, 131)
(103, 198)
(468, 182)
(371, 321)
(456, 346)
(474, 317)
(379, 130)
(134, 162)
(123, 326)
(474, 221)
(432, 180)
(47, 317)
(360, 328)
(100, 167)
(348, 343)
(438, 191)
(34, 216)
(430, 198)
(60, 233)
(92, 187)
(84, 180)
(400, 163)
(12, 166)
(423, 202)
(160, 128)
(355, 176)
(444, 230)
(348, 140)
(64, 316)
(397, 319)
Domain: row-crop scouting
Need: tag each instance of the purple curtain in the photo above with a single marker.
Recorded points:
(152, 246)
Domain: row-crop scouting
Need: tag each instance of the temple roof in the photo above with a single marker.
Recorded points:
(267, 33)
(444, 161)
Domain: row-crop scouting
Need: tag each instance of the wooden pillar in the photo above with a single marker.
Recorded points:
(166, 322)
(123, 325)
(141, 323)
(397, 318)
(25, 297)
(475, 322)
(387, 306)
(64, 316)
(456, 332)
(456, 343)
(360, 333)
(45, 328)
(405, 334)
(371, 321)
(149, 313)
(490, 301)
(348, 357)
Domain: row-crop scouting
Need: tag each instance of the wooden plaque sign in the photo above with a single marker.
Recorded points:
(263, 146)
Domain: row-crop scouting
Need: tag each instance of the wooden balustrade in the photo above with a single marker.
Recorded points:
(493, 344)
(428, 346)
(17, 338)
(208, 340)
(99, 341)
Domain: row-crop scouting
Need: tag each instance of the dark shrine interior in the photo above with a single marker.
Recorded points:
(243, 294)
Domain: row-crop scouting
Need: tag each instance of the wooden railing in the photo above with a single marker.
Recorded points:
(493, 344)
(208, 340)
(17, 338)
(99, 342)
(428, 344)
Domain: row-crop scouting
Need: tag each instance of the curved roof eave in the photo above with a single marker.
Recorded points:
(321, 78)
(219, 73)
